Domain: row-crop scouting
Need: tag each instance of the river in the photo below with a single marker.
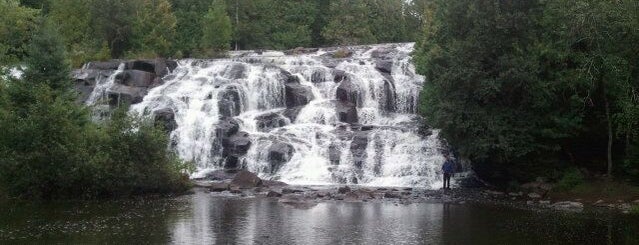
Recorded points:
(206, 218)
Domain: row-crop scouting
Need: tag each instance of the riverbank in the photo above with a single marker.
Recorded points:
(247, 184)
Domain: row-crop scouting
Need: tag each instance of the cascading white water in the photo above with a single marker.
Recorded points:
(298, 119)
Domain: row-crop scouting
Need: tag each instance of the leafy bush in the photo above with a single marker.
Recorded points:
(634, 210)
(571, 179)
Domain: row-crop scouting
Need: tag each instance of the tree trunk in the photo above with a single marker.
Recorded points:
(609, 135)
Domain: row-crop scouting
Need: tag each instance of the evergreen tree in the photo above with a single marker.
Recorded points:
(348, 24)
(111, 21)
(46, 60)
(16, 25)
(217, 29)
(154, 28)
(189, 15)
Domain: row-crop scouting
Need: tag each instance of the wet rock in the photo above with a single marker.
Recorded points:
(245, 179)
(339, 76)
(358, 148)
(278, 154)
(495, 193)
(269, 121)
(227, 127)
(568, 206)
(273, 194)
(600, 203)
(237, 144)
(165, 118)
(291, 190)
(292, 113)
(389, 97)
(141, 65)
(300, 50)
(342, 53)
(273, 183)
(103, 65)
(318, 76)
(391, 195)
(384, 66)
(346, 112)
(125, 95)
(135, 78)
(220, 174)
(297, 94)
(343, 189)
(219, 187)
(230, 102)
(349, 92)
(383, 53)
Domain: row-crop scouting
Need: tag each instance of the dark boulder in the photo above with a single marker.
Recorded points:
(103, 65)
(163, 67)
(279, 153)
(384, 53)
(384, 66)
(358, 148)
(230, 102)
(135, 78)
(343, 190)
(141, 65)
(273, 194)
(245, 179)
(219, 186)
(389, 97)
(269, 121)
(232, 162)
(237, 144)
(297, 95)
(121, 95)
(346, 112)
(339, 76)
(165, 118)
(348, 91)
(226, 127)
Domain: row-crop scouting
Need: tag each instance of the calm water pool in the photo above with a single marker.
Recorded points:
(203, 218)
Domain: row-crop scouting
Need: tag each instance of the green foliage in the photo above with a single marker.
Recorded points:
(51, 149)
(111, 22)
(16, 25)
(349, 24)
(45, 60)
(529, 83)
(572, 178)
(635, 209)
(216, 30)
(154, 28)
(189, 15)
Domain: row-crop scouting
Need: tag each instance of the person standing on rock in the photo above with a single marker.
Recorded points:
(448, 169)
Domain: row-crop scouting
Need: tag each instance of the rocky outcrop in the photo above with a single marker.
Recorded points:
(296, 93)
(349, 92)
(279, 153)
(271, 120)
(346, 112)
(230, 102)
(132, 84)
(245, 179)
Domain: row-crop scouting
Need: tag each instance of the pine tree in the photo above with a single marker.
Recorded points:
(154, 28)
(217, 29)
(349, 24)
(46, 60)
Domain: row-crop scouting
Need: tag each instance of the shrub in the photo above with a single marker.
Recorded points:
(634, 210)
(571, 178)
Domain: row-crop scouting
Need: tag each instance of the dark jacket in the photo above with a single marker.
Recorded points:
(449, 166)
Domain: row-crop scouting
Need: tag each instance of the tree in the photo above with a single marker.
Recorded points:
(154, 28)
(348, 24)
(189, 15)
(16, 25)
(111, 21)
(217, 30)
(46, 60)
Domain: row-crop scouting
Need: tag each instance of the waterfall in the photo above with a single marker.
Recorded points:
(302, 117)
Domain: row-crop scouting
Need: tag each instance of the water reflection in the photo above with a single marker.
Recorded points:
(203, 218)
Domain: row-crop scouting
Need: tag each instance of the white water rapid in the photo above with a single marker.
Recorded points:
(304, 118)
